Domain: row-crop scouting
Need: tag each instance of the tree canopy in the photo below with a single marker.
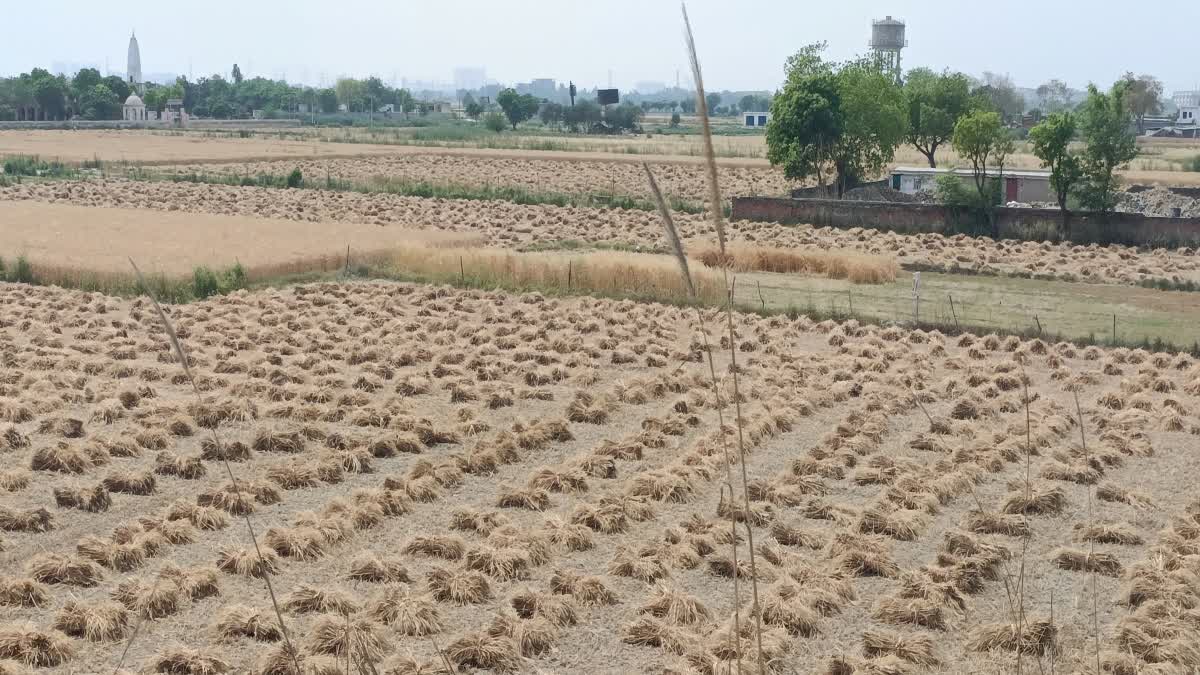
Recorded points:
(1143, 93)
(1051, 140)
(981, 139)
(517, 107)
(1104, 124)
(935, 102)
(838, 120)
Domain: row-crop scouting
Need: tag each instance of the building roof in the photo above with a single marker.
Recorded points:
(134, 99)
(926, 171)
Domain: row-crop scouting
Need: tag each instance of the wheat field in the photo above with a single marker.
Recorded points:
(535, 485)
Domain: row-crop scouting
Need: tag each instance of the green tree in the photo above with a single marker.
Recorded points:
(99, 103)
(935, 102)
(584, 114)
(1055, 96)
(981, 139)
(517, 107)
(712, 100)
(118, 86)
(474, 110)
(844, 120)
(999, 94)
(84, 80)
(674, 120)
(405, 101)
(327, 100)
(1111, 144)
(1051, 141)
(688, 106)
(625, 117)
(1144, 96)
(551, 114)
(495, 122)
(350, 93)
(236, 74)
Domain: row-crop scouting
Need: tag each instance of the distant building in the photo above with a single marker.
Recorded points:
(542, 88)
(174, 112)
(1019, 185)
(134, 110)
(469, 78)
(649, 87)
(133, 71)
(756, 119)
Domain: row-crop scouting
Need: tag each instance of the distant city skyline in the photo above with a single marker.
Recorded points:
(637, 41)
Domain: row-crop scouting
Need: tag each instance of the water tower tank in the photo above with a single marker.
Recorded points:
(888, 34)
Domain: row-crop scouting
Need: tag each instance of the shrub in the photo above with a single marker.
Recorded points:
(295, 178)
(234, 278)
(204, 283)
(1193, 165)
(495, 122)
(674, 120)
(23, 272)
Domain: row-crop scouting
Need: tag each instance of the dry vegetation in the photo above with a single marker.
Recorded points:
(534, 484)
(509, 225)
(684, 181)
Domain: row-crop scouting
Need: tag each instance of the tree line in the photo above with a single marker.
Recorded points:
(841, 123)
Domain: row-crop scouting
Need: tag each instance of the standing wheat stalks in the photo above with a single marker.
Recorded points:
(672, 233)
(715, 206)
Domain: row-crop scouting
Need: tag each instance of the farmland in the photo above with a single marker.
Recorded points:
(528, 478)
(477, 434)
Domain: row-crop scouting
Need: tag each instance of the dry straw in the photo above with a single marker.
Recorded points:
(181, 355)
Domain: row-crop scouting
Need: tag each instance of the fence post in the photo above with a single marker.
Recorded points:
(569, 270)
(1039, 324)
(760, 296)
(1114, 338)
(954, 313)
(916, 297)
(850, 297)
(347, 259)
(462, 272)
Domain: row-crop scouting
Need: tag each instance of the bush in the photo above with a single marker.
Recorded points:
(495, 122)
(23, 272)
(295, 178)
(234, 278)
(204, 283)
(1193, 165)
(674, 120)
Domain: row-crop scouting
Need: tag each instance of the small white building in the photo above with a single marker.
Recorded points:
(755, 119)
(1020, 185)
(134, 110)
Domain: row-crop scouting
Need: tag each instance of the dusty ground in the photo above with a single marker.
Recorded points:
(513, 225)
(174, 242)
(687, 181)
(534, 442)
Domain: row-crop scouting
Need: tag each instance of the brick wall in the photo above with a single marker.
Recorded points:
(1015, 223)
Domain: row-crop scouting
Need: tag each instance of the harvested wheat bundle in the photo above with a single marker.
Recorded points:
(481, 522)
(17, 592)
(557, 610)
(626, 563)
(911, 611)
(121, 557)
(185, 467)
(243, 621)
(933, 587)
(784, 607)
(1036, 502)
(187, 661)
(151, 601)
(406, 613)
(663, 486)
(300, 543)
(901, 524)
(502, 564)
(792, 533)
(990, 522)
(462, 587)
(310, 600)
(130, 482)
(1111, 492)
(672, 604)
(340, 636)
(28, 644)
(248, 563)
(1081, 561)
(560, 480)
(370, 567)
(499, 654)
(14, 480)
(196, 583)
(96, 621)
(55, 568)
(916, 649)
(1038, 638)
(447, 547)
(587, 590)
(649, 631)
(532, 636)
(1109, 533)
(63, 458)
(31, 520)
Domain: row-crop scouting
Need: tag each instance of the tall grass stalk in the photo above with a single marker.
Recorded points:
(672, 233)
(714, 186)
(1087, 459)
(177, 347)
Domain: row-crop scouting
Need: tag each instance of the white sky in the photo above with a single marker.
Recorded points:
(742, 43)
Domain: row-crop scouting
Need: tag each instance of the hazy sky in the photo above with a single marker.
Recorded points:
(742, 44)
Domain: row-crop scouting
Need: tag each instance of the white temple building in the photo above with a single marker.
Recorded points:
(133, 71)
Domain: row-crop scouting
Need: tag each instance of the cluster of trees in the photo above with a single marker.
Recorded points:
(585, 116)
(841, 123)
(40, 95)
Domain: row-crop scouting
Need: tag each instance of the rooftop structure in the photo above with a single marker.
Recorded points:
(887, 40)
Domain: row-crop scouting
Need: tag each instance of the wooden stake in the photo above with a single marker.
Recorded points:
(953, 313)
(462, 272)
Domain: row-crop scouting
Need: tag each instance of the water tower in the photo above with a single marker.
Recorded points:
(887, 39)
